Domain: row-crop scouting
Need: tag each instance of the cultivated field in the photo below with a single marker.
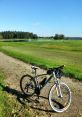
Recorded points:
(44, 54)
(48, 54)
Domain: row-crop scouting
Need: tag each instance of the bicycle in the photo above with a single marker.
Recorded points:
(59, 94)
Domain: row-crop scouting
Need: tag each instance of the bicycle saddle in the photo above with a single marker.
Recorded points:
(34, 67)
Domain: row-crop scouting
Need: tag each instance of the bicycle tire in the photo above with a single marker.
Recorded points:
(57, 105)
(29, 85)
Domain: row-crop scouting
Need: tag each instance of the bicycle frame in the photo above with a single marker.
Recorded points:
(47, 80)
(56, 82)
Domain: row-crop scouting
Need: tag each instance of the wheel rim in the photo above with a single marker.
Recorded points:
(60, 104)
(28, 85)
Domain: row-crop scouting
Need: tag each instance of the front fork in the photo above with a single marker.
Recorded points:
(58, 88)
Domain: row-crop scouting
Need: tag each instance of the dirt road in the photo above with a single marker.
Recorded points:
(14, 69)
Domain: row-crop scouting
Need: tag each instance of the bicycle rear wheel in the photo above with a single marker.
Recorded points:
(27, 85)
(57, 103)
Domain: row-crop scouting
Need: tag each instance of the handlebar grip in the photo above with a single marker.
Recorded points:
(61, 67)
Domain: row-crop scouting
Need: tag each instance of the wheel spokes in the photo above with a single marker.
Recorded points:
(57, 102)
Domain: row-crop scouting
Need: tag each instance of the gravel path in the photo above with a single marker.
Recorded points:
(14, 69)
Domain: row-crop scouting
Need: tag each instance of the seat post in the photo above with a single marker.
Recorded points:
(34, 70)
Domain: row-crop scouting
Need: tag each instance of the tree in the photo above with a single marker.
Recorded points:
(56, 36)
(59, 36)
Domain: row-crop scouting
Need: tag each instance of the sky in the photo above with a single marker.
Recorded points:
(42, 17)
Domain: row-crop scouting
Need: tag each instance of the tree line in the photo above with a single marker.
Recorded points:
(17, 35)
(27, 35)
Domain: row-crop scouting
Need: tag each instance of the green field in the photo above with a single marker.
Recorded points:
(48, 54)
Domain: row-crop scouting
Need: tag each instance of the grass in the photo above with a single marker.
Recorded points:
(9, 106)
(5, 103)
(48, 54)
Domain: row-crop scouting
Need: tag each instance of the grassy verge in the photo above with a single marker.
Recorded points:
(9, 106)
(48, 54)
(5, 104)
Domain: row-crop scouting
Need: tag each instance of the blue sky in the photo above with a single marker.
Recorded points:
(43, 17)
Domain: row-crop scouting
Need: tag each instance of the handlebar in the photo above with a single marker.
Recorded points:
(60, 67)
(57, 70)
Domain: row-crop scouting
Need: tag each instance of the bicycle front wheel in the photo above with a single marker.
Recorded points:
(27, 85)
(60, 103)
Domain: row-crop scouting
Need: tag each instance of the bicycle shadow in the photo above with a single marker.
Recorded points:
(23, 99)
